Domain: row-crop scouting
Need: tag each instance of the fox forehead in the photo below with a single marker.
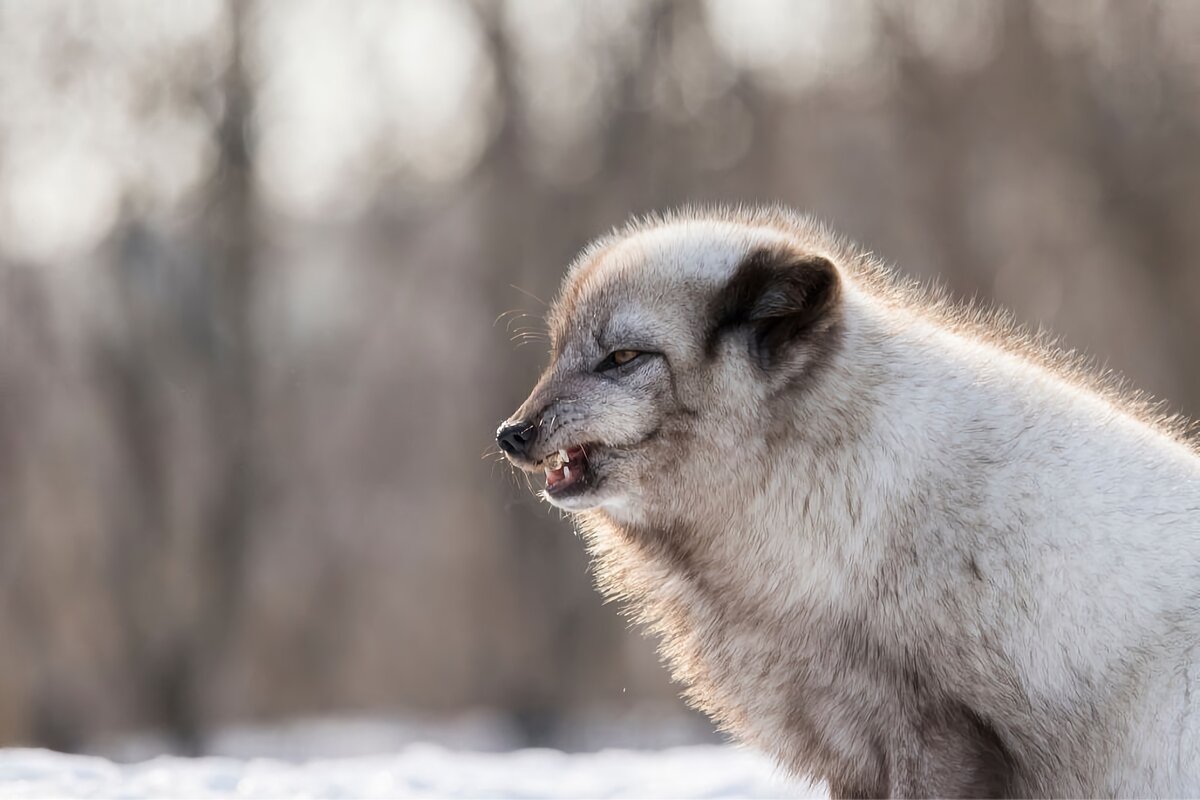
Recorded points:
(671, 264)
(696, 249)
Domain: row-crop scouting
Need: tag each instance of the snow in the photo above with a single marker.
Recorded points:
(418, 770)
(647, 727)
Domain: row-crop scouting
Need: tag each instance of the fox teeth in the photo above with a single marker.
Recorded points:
(566, 473)
(562, 454)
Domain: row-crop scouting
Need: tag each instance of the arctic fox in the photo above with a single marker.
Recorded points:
(899, 545)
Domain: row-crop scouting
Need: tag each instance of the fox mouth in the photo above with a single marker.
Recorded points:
(567, 470)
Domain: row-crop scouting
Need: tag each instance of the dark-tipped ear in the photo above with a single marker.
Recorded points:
(781, 297)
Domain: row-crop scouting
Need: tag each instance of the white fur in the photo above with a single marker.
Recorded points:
(944, 449)
(1089, 529)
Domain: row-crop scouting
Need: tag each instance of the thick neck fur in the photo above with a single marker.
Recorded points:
(910, 569)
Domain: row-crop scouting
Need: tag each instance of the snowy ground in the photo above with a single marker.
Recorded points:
(708, 771)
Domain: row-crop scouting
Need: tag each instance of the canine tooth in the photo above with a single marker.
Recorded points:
(567, 473)
(563, 455)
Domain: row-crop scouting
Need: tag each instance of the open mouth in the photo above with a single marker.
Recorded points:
(567, 469)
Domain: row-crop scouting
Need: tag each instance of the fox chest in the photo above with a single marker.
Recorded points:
(810, 687)
(806, 689)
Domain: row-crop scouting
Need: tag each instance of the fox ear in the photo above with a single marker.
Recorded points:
(781, 297)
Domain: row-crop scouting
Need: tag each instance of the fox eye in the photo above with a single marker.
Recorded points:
(618, 358)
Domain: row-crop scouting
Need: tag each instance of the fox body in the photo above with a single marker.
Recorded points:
(899, 545)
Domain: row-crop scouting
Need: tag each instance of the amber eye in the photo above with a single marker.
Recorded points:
(617, 358)
(624, 356)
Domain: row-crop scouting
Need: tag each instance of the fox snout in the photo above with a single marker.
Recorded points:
(523, 435)
(515, 438)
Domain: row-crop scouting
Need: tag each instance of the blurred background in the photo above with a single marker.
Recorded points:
(262, 271)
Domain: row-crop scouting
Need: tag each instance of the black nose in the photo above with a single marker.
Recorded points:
(515, 439)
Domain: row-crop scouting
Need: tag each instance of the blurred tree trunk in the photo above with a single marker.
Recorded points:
(178, 583)
(231, 231)
(36, 703)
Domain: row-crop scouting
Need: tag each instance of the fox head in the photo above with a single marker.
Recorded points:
(669, 341)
